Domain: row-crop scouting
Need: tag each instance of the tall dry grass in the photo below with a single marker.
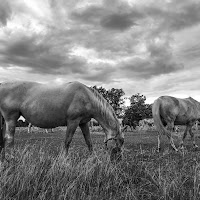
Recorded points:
(37, 173)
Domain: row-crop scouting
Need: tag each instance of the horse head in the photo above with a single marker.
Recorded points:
(114, 141)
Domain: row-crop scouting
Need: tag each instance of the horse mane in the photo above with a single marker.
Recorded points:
(191, 99)
(104, 107)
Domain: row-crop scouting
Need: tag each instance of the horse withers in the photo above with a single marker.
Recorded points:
(48, 106)
(170, 111)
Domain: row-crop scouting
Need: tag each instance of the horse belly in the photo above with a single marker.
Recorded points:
(44, 116)
(180, 122)
(183, 120)
(46, 121)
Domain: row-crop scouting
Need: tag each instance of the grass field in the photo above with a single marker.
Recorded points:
(41, 170)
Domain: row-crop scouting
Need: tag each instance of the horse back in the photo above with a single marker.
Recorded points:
(46, 105)
(12, 94)
(181, 111)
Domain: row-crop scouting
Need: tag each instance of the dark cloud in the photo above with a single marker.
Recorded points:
(5, 12)
(116, 16)
(91, 15)
(99, 74)
(118, 21)
(26, 47)
(160, 49)
(114, 30)
(184, 17)
(140, 68)
(160, 61)
(104, 24)
(174, 16)
(109, 42)
(40, 56)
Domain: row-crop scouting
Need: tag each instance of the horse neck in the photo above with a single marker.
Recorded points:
(103, 113)
(107, 120)
(108, 123)
(198, 107)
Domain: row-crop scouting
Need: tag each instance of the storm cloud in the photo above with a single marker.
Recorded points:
(111, 43)
(5, 12)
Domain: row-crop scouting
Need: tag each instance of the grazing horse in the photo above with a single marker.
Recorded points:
(48, 106)
(170, 111)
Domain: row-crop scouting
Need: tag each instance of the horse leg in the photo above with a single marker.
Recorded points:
(92, 125)
(158, 150)
(184, 136)
(2, 140)
(9, 135)
(172, 144)
(192, 137)
(170, 126)
(10, 131)
(71, 128)
(29, 128)
(86, 133)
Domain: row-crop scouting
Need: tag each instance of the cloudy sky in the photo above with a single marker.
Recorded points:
(143, 46)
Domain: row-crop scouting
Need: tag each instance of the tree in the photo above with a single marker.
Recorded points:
(102, 91)
(138, 110)
(137, 99)
(148, 111)
(114, 98)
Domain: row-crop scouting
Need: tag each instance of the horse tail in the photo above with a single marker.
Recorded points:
(157, 119)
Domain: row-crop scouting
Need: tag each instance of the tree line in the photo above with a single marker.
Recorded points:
(132, 114)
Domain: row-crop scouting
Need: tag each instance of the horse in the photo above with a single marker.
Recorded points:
(169, 111)
(30, 129)
(71, 104)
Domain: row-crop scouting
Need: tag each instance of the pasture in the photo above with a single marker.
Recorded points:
(41, 170)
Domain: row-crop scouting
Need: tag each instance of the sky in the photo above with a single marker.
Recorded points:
(149, 47)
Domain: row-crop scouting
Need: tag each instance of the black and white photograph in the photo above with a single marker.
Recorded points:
(99, 99)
